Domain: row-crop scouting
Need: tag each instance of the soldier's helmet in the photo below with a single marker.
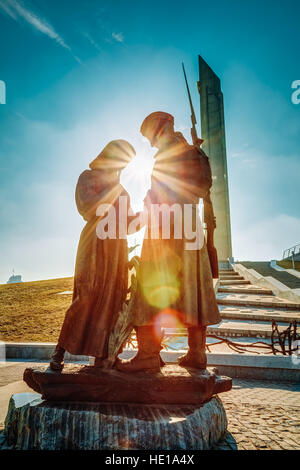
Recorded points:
(153, 124)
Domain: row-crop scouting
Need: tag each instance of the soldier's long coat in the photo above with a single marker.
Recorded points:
(101, 272)
(172, 280)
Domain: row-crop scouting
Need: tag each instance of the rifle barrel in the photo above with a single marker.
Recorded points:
(193, 116)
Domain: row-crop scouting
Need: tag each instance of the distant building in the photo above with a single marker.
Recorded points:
(14, 279)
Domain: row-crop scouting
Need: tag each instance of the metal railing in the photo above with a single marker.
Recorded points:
(294, 250)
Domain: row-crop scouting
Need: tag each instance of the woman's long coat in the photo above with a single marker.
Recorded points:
(101, 272)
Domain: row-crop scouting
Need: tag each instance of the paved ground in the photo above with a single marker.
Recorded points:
(261, 414)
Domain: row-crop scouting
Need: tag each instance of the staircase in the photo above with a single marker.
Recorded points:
(247, 311)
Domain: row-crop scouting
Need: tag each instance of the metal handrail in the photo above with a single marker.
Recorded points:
(294, 250)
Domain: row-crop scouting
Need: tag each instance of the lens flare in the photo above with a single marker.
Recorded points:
(159, 278)
(168, 318)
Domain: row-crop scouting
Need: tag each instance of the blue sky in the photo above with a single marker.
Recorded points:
(81, 73)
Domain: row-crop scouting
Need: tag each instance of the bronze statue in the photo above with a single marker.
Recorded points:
(173, 281)
(101, 272)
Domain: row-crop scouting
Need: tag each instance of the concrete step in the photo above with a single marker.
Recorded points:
(234, 282)
(226, 271)
(258, 300)
(231, 278)
(259, 314)
(245, 289)
(229, 273)
(252, 329)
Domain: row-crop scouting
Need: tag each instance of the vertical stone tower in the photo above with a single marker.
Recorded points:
(214, 145)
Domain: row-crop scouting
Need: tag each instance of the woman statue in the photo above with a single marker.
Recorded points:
(101, 272)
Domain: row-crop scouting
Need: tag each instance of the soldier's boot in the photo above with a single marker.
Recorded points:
(196, 356)
(57, 359)
(147, 357)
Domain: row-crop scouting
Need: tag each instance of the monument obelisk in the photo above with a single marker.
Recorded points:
(214, 145)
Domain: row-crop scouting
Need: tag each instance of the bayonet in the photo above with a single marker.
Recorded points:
(196, 141)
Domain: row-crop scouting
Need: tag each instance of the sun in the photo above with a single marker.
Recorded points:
(136, 179)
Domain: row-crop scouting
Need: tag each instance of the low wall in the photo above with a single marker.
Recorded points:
(268, 282)
(251, 366)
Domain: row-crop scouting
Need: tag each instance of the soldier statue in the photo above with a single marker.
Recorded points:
(173, 281)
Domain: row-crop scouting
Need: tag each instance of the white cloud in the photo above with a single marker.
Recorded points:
(8, 10)
(92, 41)
(17, 11)
(119, 37)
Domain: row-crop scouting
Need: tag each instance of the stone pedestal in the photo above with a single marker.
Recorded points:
(90, 408)
(173, 385)
(35, 424)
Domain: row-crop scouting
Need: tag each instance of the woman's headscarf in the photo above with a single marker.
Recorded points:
(115, 156)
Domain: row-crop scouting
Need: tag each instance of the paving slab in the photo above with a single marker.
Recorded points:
(262, 416)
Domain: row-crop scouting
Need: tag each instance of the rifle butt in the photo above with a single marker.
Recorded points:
(213, 259)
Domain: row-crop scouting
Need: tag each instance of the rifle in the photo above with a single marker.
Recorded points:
(208, 213)
(196, 141)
